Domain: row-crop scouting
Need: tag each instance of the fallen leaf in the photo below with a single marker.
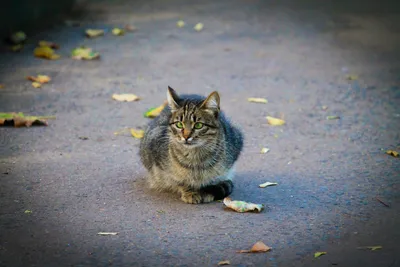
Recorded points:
(2, 86)
(17, 37)
(85, 53)
(257, 100)
(224, 263)
(118, 31)
(275, 121)
(332, 117)
(242, 206)
(198, 27)
(154, 112)
(352, 77)
(36, 84)
(83, 137)
(137, 133)
(45, 52)
(107, 233)
(92, 33)
(264, 150)
(371, 247)
(27, 211)
(20, 120)
(257, 247)
(121, 131)
(392, 153)
(16, 48)
(49, 44)
(180, 24)
(125, 97)
(318, 254)
(267, 184)
(39, 78)
(130, 28)
(324, 107)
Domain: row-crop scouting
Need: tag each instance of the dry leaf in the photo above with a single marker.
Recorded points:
(39, 78)
(267, 184)
(154, 112)
(224, 263)
(198, 27)
(371, 247)
(118, 31)
(125, 97)
(16, 48)
(27, 211)
(85, 53)
(36, 84)
(324, 107)
(332, 117)
(130, 28)
(92, 33)
(392, 153)
(352, 77)
(257, 247)
(107, 233)
(275, 121)
(257, 100)
(2, 86)
(242, 206)
(20, 120)
(318, 254)
(49, 44)
(137, 133)
(45, 52)
(264, 150)
(17, 38)
(180, 24)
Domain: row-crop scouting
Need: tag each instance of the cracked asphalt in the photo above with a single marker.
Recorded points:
(297, 54)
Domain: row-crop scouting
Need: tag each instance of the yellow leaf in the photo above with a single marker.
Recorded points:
(257, 247)
(107, 233)
(125, 97)
(264, 150)
(392, 153)
(224, 263)
(332, 117)
(180, 24)
(242, 206)
(154, 112)
(275, 121)
(137, 133)
(118, 31)
(257, 100)
(84, 53)
(267, 184)
(27, 211)
(198, 27)
(92, 33)
(2, 86)
(318, 254)
(49, 44)
(16, 48)
(371, 247)
(39, 78)
(36, 84)
(352, 77)
(45, 52)
(18, 37)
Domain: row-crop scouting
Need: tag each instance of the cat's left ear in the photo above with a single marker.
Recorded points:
(211, 102)
(172, 98)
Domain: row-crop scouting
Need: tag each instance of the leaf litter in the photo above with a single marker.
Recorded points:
(137, 133)
(84, 53)
(266, 184)
(242, 206)
(93, 33)
(257, 100)
(198, 27)
(371, 247)
(45, 52)
(20, 120)
(224, 263)
(319, 254)
(180, 24)
(154, 112)
(264, 150)
(107, 233)
(125, 97)
(256, 248)
(275, 121)
(118, 31)
(392, 153)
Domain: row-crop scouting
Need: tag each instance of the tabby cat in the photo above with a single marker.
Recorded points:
(191, 148)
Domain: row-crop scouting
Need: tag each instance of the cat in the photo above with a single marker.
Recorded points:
(191, 148)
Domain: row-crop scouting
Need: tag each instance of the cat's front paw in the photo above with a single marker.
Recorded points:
(196, 198)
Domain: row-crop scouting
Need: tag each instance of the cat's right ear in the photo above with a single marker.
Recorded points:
(172, 98)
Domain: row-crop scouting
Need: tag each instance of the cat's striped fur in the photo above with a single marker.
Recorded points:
(191, 148)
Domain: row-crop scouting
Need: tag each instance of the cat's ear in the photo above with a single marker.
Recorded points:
(172, 98)
(211, 102)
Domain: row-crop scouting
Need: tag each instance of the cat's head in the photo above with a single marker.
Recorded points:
(194, 121)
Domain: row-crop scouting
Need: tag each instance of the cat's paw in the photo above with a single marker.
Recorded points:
(192, 197)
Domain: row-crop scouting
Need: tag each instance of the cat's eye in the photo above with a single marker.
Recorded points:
(198, 125)
(179, 125)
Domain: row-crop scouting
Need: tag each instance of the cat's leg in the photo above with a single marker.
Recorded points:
(217, 191)
(191, 196)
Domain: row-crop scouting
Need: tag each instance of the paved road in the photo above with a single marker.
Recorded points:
(295, 53)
